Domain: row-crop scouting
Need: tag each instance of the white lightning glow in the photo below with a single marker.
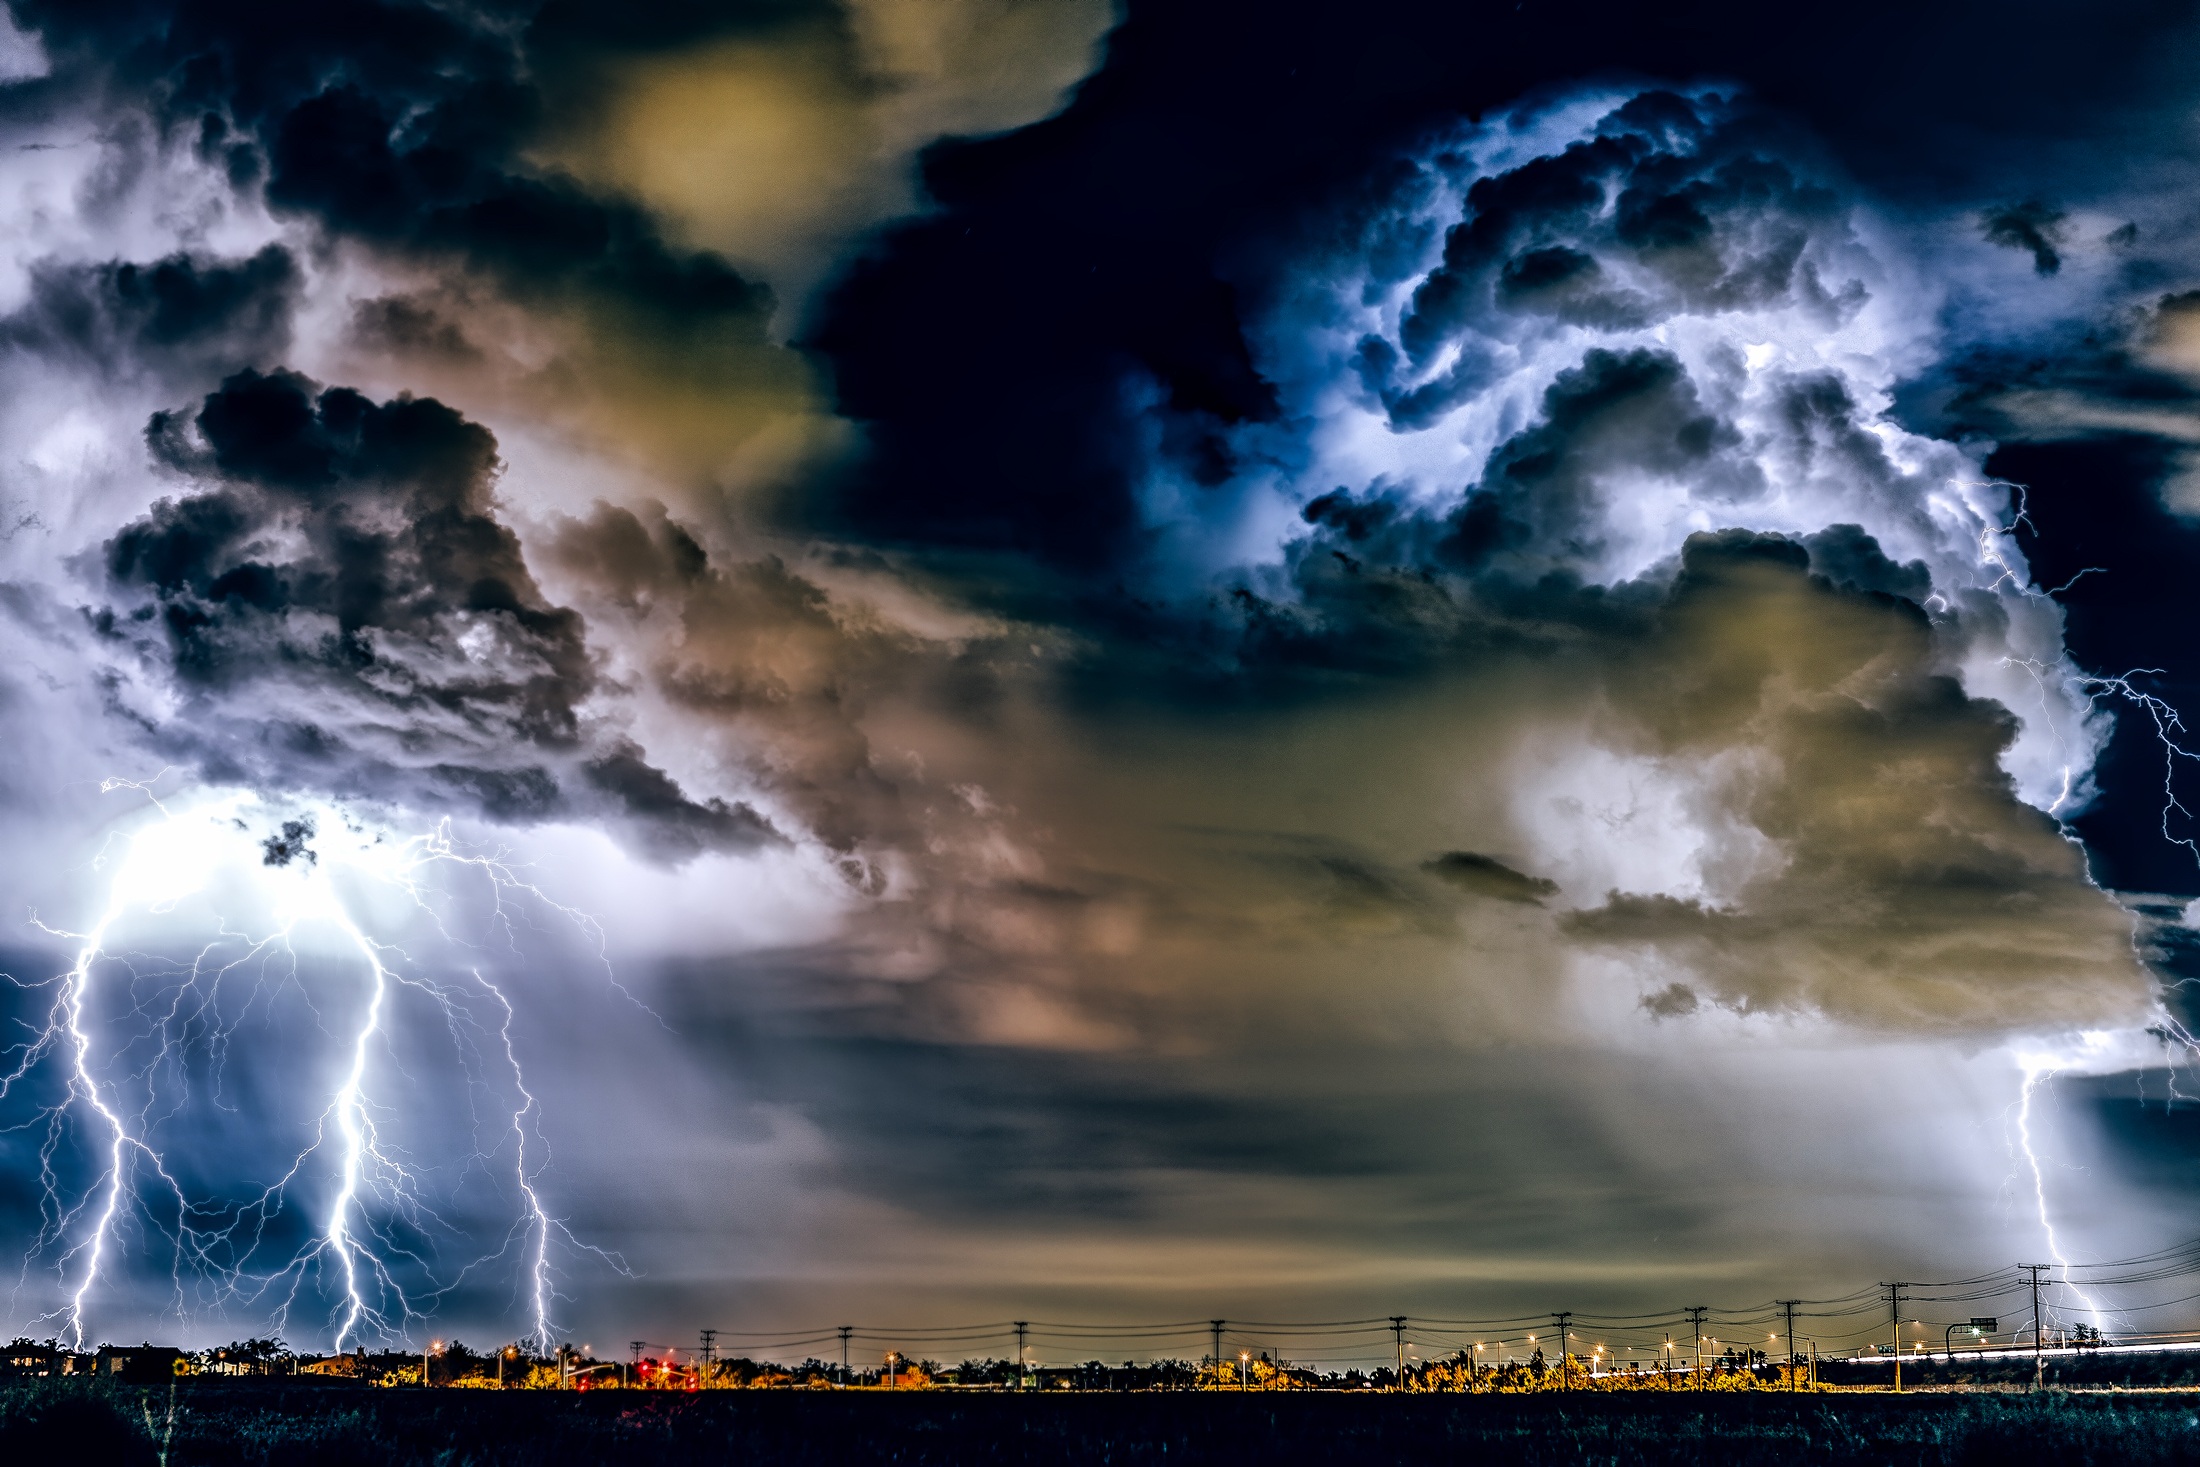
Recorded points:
(537, 1221)
(121, 1144)
(2035, 1071)
(323, 884)
(356, 1127)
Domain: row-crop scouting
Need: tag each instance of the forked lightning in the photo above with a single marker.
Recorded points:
(126, 1038)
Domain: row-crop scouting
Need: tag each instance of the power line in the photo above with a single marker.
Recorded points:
(1336, 1338)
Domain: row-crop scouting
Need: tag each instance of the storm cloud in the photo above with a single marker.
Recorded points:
(338, 609)
(1902, 881)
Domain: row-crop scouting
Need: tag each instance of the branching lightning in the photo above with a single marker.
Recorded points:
(2170, 735)
(2035, 1071)
(109, 1064)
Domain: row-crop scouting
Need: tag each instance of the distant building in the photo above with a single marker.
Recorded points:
(221, 1362)
(25, 1358)
(139, 1364)
(347, 1366)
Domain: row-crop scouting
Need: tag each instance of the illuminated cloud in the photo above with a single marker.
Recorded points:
(776, 143)
(335, 608)
(1897, 879)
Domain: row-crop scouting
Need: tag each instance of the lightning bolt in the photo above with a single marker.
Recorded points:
(122, 1146)
(2035, 1071)
(376, 1221)
(356, 1127)
(2170, 735)
(537, 1221)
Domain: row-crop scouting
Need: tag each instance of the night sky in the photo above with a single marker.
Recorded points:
(750, 664)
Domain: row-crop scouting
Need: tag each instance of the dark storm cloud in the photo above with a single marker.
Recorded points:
(1545, 486)
(2031, 226)
(1674, 1001)
(340, 610)
(411, 328)
(1852, 560)
(781, 674)
(1383, 584)
(190, 317)
(1676, 191)
(1084, 269)
(345, 157)
(1487, 876)
(404, 125)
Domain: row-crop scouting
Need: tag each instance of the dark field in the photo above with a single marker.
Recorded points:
(254, 1424)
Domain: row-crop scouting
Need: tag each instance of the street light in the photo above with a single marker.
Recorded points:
(1245, 1361)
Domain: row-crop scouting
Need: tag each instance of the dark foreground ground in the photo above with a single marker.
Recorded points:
(255, 1424)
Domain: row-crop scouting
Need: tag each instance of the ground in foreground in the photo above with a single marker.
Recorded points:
(280, 1424)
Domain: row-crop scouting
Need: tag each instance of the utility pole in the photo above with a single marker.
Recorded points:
(1214, 1327)
(1023, 1327)
(1564, 1319)
(1789, 1306)
(845, 1331)
(1398, 1337)
(707, 1369)
(1696, 1312)
(2039, 1362)
(1894, 1312)
(633, 1346)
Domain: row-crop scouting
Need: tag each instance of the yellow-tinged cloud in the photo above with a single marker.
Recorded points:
(1900, 883)
(775, 149)
(1837, 839)
(714, 410)
(771, 149)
